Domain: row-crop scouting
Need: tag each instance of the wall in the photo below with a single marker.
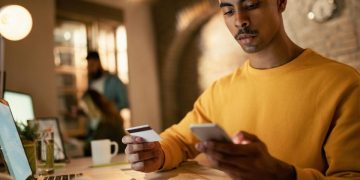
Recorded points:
(338, 38)
(175, 55)
(29, 63)
(144, 85)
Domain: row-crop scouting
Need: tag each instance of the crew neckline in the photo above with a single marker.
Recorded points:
(280, 69)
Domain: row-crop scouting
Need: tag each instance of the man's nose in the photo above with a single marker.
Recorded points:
(241, 20)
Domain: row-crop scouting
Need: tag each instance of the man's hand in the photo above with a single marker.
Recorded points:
(246, 158)
(143, 156)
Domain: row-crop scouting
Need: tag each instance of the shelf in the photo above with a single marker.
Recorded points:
(67, 69)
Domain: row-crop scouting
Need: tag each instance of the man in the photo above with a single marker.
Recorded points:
(105, 83)
(293, 113)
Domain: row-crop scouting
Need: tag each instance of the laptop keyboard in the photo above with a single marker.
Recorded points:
(63, 177)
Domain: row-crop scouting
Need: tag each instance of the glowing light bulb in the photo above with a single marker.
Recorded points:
(67, 36)
(15, 22)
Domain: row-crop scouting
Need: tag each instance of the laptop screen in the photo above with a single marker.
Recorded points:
(12, 148)
(21, 106)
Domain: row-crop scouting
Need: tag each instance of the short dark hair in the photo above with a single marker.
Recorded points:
(93, 55)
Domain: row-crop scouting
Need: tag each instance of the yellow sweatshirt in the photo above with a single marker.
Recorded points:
(307, 112)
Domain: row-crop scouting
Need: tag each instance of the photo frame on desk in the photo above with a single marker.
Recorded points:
(53, 123)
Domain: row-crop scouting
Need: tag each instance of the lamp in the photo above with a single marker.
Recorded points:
(15, 24)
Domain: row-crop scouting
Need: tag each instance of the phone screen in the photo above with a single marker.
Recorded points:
(209, 131)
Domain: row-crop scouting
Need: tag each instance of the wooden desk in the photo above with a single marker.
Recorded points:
(187, 170)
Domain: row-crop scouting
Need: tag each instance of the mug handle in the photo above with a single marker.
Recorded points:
(115, 144)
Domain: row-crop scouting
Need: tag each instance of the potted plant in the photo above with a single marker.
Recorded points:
(28, 135)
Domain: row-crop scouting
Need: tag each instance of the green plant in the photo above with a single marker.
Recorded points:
(28, 132)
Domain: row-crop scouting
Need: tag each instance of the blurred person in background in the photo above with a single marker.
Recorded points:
(103, 120)
(106, 83)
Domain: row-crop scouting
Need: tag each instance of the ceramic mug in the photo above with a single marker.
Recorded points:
(101, 151)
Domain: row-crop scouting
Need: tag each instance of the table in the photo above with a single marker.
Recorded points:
(187, 170)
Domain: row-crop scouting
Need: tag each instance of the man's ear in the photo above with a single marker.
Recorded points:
(281, 5)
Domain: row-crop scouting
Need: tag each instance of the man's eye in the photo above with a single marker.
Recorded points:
(229, 12)
(250, 6)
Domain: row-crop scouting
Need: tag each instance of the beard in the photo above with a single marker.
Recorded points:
(247, 32)
(95, 75)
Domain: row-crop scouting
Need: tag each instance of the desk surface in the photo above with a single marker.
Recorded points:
(187, 170)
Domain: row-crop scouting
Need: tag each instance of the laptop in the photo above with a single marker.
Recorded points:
(17, 162)
(12, 148)
(21, 105)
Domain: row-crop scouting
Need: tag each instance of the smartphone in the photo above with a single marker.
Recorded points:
(210, 131)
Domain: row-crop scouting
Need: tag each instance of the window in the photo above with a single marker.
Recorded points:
(72, 40)
(70, 65)
(122, 56)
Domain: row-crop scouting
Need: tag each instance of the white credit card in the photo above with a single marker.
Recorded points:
(144, 131)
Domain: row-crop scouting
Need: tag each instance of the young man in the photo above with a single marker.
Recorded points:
(293, 113)
(105, 83)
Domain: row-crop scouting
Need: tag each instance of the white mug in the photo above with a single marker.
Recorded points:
(101, 151)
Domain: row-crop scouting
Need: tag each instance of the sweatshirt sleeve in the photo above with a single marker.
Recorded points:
(177, 141)
(342, 147)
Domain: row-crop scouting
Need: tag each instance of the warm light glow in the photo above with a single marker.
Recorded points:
(106, 41)
(311, 15)
(15, 22)
(122, 56)
(67, 36)
(188, 15)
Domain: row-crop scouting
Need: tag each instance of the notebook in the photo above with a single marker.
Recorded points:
(17, 162)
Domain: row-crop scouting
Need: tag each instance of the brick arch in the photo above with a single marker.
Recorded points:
(175, 102)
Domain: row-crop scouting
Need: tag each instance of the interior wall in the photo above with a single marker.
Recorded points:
(29, 63)
(180, 77)
(166, 17)
(144, 82)
(337, 38)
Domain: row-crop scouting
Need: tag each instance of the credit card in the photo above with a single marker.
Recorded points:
(144, 131)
